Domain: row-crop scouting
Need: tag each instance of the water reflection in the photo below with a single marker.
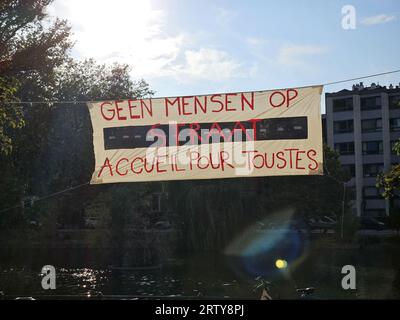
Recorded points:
(213, 276)
(256, 251)
(99, 283)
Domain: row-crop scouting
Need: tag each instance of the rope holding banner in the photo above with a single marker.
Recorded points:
(47, 196)
(31, 103)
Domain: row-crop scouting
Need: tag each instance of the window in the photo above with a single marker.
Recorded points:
(395, 124)
(394, 102)
(350, 169)
(372, 147)
(371, 125)
(342, 104)
(370, 103)
(343, 126)
(372, 169)
(345, 148)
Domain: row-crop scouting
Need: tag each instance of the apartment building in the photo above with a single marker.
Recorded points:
(362, 124)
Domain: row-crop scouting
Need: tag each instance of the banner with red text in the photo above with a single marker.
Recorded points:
(261, 133)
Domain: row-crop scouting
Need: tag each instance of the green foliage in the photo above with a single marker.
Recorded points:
(29, 52)
(26, 44)
(390, 181)
(87, 80)
(313, 195)
(396, 147)
(332, 165)
(63, 151)
(211, 213)
(44, 147)
(11, 117)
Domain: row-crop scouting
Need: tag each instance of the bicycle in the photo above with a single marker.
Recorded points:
(267, 289)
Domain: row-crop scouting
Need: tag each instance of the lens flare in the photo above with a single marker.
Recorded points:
(281, 264)
(268, 247)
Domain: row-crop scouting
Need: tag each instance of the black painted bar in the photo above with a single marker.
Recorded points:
(132, 137)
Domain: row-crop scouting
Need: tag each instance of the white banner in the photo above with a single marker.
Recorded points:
(261, 133)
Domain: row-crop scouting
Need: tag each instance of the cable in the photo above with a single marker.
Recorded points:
(359, 78)
(62, 191)
(47, 196)
(95, 101)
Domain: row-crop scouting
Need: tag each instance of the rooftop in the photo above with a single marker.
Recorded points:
(360, 89)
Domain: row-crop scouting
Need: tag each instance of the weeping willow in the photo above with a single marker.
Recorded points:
(212, 215)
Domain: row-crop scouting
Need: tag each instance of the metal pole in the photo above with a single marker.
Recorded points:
(343, 209)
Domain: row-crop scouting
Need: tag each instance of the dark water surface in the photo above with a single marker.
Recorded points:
(88, 272)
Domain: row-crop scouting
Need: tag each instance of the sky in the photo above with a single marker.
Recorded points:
(197, 47)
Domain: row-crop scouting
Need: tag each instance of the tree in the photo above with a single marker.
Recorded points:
(87, 80)
(26, 44)
(29, 51)
(66, 157)
(214, 211)
(313, 195)
(54, 149)
(10, 115)
(390, 181)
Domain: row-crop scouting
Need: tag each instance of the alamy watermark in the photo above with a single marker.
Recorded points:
(49, 277)
(349, 280)
(349, 18)
(203, 146)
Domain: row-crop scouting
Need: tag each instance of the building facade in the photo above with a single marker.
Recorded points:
(362, 124)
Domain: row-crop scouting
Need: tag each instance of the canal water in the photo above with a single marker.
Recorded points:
(89, 273)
